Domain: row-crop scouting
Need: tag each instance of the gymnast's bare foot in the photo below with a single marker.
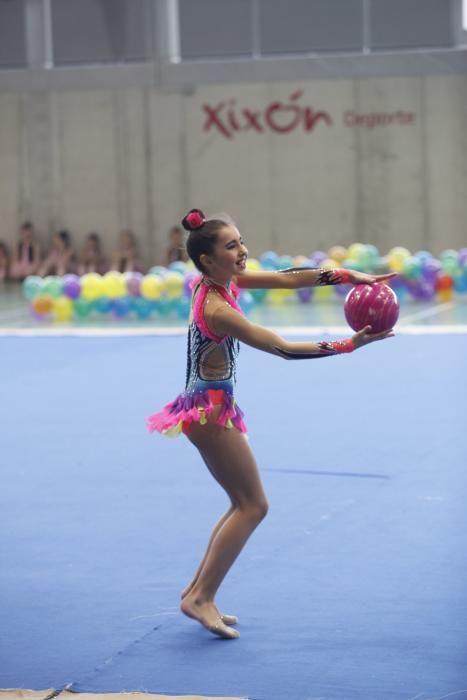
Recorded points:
(227, 619)
(207, 615)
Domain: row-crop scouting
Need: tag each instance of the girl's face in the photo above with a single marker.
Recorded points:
(58, 243)
(26, 234)
(229, 255)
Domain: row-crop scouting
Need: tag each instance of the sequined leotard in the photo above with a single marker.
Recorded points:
(210, 375)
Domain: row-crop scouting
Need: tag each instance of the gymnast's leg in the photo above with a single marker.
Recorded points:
(231, 462)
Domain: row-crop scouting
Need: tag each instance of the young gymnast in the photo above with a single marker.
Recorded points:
(207, 413)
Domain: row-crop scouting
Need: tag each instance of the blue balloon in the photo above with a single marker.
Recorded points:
(269, 260)
(246, 301)
(183, 307)
(121, 307)
(142, 307)
(102, 305)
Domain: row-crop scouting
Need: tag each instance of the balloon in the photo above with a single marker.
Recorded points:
(183, 307)
(421, 289)
(269, 260)
(133, 283)
(253, 264)
(430, 270)
(352, 265)
(423, 255)
(323, 293)
(445, 295)
(342, 289)
(173, 285)
(460, 284)
(62, 309)
(380, 266)
(396, 257)
(71, 286)
(190, 281)
(330, 264)
(411, 267)
(449, 254)
(338, 252)
(103, 305)
(373, 305)
(259, 295)
(178, 266)
(356, 251)
(52, 286)
(246, 301)
(142, 307)
(444, 283)
(318, 256)
(300, 261)
(151, 286)
(114, 285)
(32, 286)
(463, 255)
(158, 270)
(92, 286)
(279, 296)
(43, 304)
(450, 266)
(284, 262)
(82, 308)
(164, 306)
(121, 306)
(305, 295)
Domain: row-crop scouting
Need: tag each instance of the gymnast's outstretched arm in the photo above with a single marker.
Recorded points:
(297, 277)
(226, 321)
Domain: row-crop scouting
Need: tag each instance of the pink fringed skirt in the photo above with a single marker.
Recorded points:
(187, 408)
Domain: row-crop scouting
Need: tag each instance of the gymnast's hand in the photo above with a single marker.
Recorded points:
(365, 336)
(362, 278)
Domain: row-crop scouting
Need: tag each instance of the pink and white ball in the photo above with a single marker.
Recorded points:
(374, 305)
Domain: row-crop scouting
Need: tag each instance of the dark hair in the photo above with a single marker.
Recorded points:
(65, 236)
(203, 235)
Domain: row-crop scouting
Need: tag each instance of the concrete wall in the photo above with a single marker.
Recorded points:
(108, 159)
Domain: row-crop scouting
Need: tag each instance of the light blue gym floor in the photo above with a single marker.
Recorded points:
(353, 588)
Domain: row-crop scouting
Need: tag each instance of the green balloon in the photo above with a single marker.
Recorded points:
(82, 308)
(450, 266)
(53, 286)
(258, 295)
(32, 286)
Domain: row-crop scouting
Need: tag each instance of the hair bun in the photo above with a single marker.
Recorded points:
(194, 220)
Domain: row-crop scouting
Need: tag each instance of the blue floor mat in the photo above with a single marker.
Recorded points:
(352, 588)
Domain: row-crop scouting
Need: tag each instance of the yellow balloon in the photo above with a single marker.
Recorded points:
(300, 261)
(62, 309)
(173, 285)
(151, 287)
(279, 296)
(322, 293)
(253, 264)
(338, 253)
(355, 251)
(445, 295)
(330, 264)
(400, 252)
(113, 285)
(91, 286)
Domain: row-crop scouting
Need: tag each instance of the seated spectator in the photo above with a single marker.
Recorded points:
(176, 250)
(27, 254)
(126, 257)
(62, 258)
(91, 258)
(4, 262)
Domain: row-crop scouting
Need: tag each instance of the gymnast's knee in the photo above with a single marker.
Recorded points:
(256, 510)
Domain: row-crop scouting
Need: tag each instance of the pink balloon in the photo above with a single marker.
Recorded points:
(374, 305)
